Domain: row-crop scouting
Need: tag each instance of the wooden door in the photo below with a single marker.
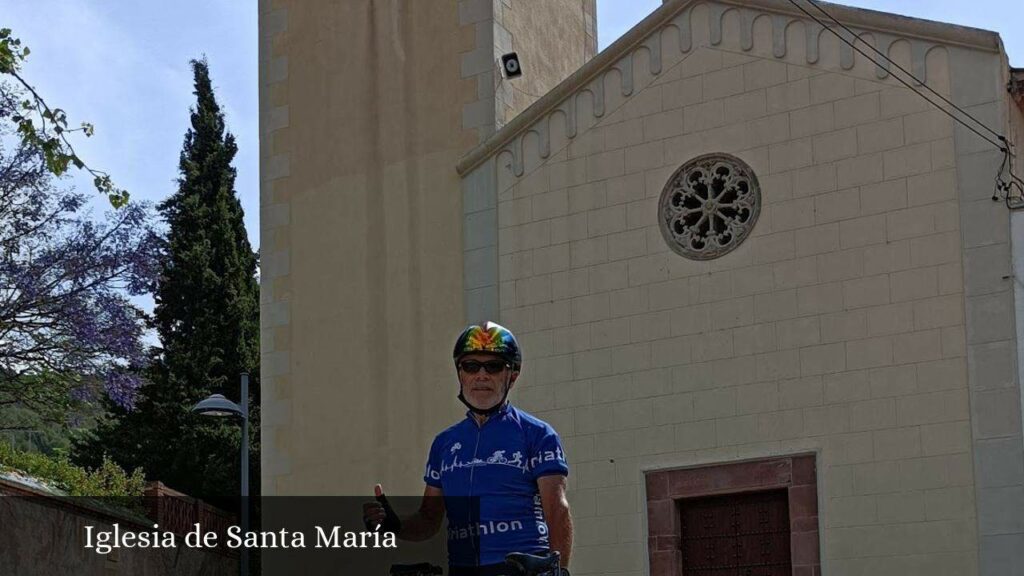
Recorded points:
(736, 535)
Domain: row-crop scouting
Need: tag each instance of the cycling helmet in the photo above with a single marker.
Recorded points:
(489, 338)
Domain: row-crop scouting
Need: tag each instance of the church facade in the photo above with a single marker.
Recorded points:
(763, 290)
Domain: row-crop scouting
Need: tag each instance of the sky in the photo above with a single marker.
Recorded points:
(123, 66)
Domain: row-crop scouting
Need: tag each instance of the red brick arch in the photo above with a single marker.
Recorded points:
(794, 474)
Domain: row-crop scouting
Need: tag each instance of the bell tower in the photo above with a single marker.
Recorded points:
(366, 106)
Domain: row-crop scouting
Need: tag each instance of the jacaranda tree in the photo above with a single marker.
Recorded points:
(68, 330)
(45, 128)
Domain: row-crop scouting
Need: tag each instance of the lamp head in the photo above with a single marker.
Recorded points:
(217, 405)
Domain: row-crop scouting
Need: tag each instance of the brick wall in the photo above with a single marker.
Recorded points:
(45, 534)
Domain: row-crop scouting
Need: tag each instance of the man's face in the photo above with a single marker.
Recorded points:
(483, 389)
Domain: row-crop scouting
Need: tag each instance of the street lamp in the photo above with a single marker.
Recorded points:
(218, 405)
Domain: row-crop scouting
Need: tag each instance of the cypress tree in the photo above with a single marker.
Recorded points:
(207, 319)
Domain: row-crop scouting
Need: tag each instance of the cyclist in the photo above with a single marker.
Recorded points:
(512, 461)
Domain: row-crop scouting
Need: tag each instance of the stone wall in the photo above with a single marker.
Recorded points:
(44, 535)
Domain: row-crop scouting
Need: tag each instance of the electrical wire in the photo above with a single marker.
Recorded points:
(1002, 186)
(501, 81)
(511, 85)
(905, 71)
(1013, 189)
(1015, 182)
(902, 81)
(521, 91)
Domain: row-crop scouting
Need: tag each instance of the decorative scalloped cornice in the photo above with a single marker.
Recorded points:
(884, 28)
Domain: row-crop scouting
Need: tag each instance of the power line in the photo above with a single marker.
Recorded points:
(524, 92)
(501, 82)
(901, 80)
(1013, 199)
(1001, 185)
(905, 71)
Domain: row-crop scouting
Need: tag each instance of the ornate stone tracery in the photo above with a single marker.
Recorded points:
(709, 206)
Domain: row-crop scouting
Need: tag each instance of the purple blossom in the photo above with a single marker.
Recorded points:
(65, 279)
(122, 388)
(82, 394)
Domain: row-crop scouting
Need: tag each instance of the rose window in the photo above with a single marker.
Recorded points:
(709, 206)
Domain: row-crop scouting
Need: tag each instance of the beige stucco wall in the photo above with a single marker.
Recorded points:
(839, 328)
(551, 43)
(365, 108)
(361, 120)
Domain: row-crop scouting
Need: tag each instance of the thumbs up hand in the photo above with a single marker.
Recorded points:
(373, 512)
(379, 514)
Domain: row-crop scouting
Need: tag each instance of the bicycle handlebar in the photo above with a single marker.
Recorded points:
(532, 565)
(421, 569)
(526, 564)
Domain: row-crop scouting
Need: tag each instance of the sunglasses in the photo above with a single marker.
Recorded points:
(491, 367)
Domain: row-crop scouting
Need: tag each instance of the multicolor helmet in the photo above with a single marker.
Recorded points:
(489, 338)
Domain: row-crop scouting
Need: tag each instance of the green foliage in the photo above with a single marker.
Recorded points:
(12, 53)
(32, 401)
(51, 133)
(107, 480)
(25, 428)
(207, 318)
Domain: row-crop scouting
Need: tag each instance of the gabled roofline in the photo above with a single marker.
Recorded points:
(867, 20)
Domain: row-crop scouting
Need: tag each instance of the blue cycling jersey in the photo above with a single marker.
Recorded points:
(498, 464)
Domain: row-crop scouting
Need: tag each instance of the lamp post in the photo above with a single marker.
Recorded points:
(218, 405)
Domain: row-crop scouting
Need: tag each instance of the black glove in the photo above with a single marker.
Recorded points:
(391, 521)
